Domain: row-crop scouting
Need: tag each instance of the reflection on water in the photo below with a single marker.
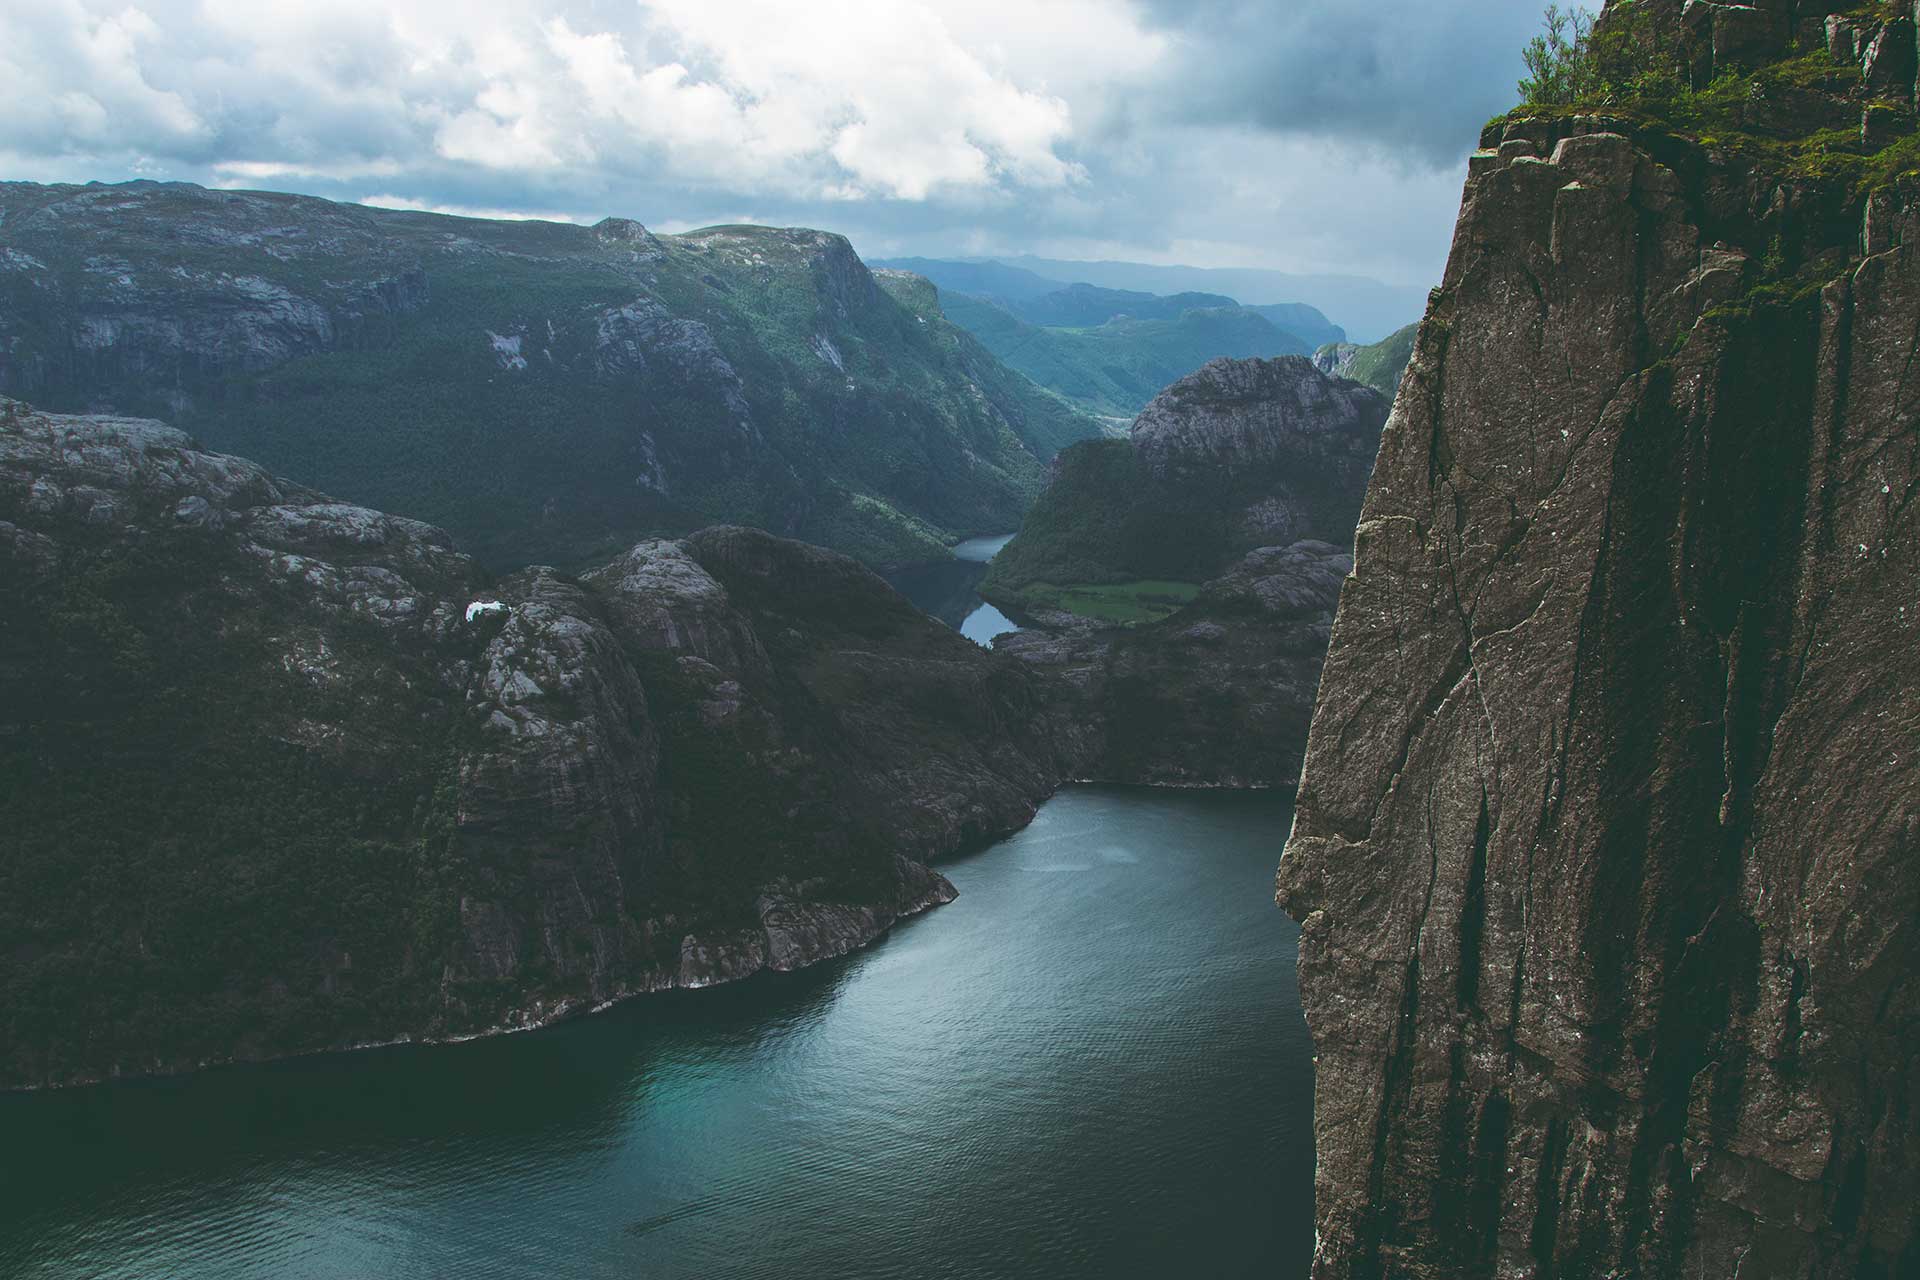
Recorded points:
(946, 590)
(1091, 1064)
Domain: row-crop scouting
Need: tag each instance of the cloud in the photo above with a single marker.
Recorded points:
(1413, 79)
(1302, 135)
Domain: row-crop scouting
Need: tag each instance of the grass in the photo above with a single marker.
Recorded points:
(1734, 113)
(1121, 602)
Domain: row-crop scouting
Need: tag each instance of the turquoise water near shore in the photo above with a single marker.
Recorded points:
(1092, 1064)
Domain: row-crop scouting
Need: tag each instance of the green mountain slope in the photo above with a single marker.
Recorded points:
(1378, 364)
(1117, 367)
(1239, 455)
(547, 392)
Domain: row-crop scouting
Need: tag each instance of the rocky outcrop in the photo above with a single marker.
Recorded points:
(1238, 417)
(1244, 478)
(285, 774)
(1218, 695)
(1335, 358)
(1605, 845)
(1241, 454)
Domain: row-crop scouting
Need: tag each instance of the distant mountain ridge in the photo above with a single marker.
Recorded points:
(1368, 309)
(547, 392)
(1111, 351)
(1241, 455)
(1115, 369)
(1052, 303)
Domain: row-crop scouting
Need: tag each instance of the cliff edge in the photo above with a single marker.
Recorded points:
(1605, 851)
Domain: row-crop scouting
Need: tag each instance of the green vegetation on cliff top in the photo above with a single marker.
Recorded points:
(1806, 115)
(1379, 364)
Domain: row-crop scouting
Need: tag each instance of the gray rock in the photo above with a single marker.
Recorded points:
(1604, 846)
(1238, 415)
(329, 736)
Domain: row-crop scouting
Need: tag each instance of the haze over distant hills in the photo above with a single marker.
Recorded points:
(1111, 350)
(1368, 310)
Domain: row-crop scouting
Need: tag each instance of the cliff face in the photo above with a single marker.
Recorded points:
(1216, 695)
(545, 391)
(1238, 455)
(279, 773)
(1606, 843)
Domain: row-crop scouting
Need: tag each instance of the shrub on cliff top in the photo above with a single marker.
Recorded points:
(1560, 61)
(1630, 57)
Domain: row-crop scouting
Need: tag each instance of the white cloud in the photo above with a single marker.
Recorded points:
(383, 201)
(869, 98)
(922, 124)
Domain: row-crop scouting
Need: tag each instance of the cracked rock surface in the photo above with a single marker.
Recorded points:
(1605, 852)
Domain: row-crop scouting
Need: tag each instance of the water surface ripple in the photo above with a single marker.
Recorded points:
(1092, 1064)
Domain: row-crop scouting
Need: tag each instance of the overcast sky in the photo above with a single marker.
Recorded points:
(1302, 135)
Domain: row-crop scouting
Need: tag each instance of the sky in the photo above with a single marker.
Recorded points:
(1297, 135)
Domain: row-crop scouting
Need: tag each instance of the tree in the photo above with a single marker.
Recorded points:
(1560, 60)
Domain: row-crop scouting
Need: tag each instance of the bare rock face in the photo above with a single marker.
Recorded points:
(1235, 416)
(1605, 851)
(1218, 695)
(1246, 478)
(280, 774)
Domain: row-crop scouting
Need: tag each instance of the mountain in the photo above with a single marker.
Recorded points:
(1040, 301)
(1110, 351)
(1605, 849)
(1216, 691)
(1086, 306)
(1179, 585)
(1379, 365)
(1367, 309)
(1306, 323)
(1115, 368)
(544, 391)
(981, 278)
(279, 773)
(1240, 455)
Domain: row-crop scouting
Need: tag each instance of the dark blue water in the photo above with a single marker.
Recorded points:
(946, 590)
(1090, 1065)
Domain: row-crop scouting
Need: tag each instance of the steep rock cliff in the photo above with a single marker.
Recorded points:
(279, 773)
(1605, 850)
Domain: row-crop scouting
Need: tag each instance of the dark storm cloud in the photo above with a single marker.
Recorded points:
(1415, 79)
(1302, 136)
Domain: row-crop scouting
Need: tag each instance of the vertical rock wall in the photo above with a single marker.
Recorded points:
(1607, 835)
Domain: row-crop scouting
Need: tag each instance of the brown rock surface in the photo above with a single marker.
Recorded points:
(1606, 842)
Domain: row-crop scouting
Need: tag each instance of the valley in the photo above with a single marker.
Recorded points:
(536, 744)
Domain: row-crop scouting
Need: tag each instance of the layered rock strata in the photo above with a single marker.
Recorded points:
(1605, 851)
